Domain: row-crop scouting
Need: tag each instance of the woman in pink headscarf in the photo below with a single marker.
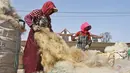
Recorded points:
(84, 36)
(31, 58)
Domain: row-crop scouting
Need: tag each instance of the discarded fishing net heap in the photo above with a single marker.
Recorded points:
(58, 57)
(9, 14)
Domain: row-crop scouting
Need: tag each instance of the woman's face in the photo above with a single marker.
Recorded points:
(88, 28)
(52, 11)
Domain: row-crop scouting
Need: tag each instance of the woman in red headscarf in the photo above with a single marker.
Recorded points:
(31, 58)
(84, 36)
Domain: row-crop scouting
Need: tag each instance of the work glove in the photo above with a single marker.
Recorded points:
(44, 22)
(76, 38)
(87, 46)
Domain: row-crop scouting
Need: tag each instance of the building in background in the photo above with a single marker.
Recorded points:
(66, 35)
(95, 39)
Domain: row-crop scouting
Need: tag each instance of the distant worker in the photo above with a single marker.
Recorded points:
(83, 37)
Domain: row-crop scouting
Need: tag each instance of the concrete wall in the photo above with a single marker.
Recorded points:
(96, 45)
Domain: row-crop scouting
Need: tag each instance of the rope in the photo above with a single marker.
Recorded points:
(16, 63)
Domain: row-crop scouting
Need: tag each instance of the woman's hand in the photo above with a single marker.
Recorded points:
(74, 38)
(36, 27)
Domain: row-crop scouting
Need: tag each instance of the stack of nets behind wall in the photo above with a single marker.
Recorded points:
(9, 47)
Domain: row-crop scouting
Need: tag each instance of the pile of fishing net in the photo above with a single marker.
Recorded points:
(58, 57)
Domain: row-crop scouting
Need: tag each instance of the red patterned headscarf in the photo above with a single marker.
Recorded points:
(49, 5)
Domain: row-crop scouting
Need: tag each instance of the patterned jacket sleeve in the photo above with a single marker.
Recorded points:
(28, 19)
(77, 34)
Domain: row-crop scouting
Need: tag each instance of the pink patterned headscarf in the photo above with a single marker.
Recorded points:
(84, 25)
